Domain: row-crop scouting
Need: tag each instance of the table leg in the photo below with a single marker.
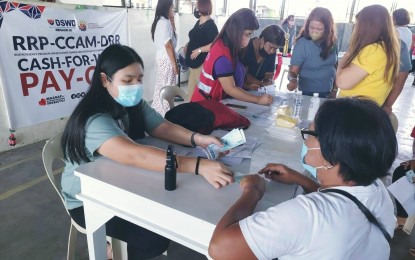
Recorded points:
(95, 219)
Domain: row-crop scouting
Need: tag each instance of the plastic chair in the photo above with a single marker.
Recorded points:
(284, 72)
(169, 92)
(52, 151)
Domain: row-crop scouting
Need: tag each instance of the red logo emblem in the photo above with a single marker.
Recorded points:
(42, 102)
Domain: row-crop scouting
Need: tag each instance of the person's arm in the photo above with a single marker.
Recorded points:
(200, 50)
(251, 83)
(395, 92)
(172, 57)
(293, 77)
(284, 174)
(228, 85)
(349, 77)
(176, 134)
(124, 150)
(227, 240)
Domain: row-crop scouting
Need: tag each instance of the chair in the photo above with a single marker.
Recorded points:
(52, 151)
(169, 92)
(284, 72)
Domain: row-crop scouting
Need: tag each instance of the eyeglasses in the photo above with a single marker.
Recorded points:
(305, 133)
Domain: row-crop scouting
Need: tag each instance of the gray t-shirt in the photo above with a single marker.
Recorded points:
(316, 75)
(99, 129)
(405, 62)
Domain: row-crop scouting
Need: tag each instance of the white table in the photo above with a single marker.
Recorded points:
(187, 215)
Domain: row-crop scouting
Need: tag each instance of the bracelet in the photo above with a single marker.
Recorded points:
(255, 188)
(197, 164)
(292, 78)
(192, 139)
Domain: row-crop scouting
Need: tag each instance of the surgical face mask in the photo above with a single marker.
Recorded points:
(309, 168)
(316, 36)
(129, 96)
(263, 52)
(196, 13)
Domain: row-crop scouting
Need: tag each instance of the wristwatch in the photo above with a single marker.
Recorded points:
(292, 78)
(200, 50)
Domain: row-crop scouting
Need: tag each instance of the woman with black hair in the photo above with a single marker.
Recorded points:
(289, 27)
(106, 122)
(314, 60)
(163, 33)
(259, 57)
(222, 73)
(349, 146)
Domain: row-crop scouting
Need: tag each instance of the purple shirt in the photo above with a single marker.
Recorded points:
(223, 68)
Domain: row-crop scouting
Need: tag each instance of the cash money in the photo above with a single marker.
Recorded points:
(231, 140)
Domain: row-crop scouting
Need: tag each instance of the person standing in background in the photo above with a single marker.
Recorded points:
(371, 64)
(289, 27)
(401, 19)
(200, 40)
(314, 61)
(164, 36)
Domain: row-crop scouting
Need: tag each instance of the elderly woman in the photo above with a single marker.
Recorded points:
(349, 146)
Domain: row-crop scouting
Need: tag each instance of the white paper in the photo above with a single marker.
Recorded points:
(404, 192)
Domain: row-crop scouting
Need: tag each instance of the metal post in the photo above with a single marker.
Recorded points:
(352, 11)
(282, 9)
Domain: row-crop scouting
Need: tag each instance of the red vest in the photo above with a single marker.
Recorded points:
(208, 87)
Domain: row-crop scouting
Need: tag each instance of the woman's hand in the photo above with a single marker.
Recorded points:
(215, 173)
(265, 100)
(409, 164)
(205, 140)
(253, 182)
(292, 85)
(194, 54)
(252, 86)
(280, 173)
(175, 68)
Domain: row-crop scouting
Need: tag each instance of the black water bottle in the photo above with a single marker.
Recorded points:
(170, 169)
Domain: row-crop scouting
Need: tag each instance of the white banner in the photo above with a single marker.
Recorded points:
(48, 56)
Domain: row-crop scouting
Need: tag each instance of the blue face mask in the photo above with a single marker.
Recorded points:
(312, 170)
(129, 96)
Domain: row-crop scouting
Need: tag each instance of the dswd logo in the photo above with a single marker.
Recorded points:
(51, 21)
(78, 95)
(82, 26)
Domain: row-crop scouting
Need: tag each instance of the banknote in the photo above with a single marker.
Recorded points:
(231, 140)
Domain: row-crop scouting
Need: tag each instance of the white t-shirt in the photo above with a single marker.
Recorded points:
(405, 35)
(163, 33)
(323, 226)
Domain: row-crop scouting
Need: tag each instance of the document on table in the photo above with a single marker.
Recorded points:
(404, 192)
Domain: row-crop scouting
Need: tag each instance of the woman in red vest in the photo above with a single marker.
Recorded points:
(222, 73)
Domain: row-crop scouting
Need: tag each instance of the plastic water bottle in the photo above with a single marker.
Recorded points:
(298, 104)
(314, 104)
